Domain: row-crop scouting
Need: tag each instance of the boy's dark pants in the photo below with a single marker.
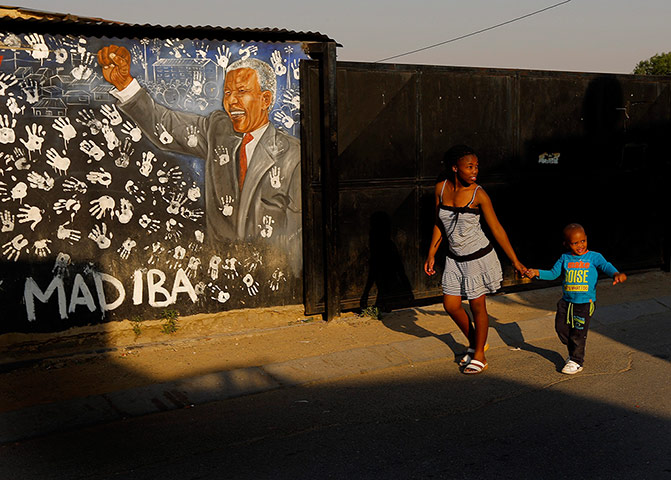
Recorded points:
(572, 324)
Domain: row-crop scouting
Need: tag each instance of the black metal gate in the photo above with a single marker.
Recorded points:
(554, 148)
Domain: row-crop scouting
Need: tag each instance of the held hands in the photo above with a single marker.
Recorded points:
(531, 273)
(115, 62)
(619, 278)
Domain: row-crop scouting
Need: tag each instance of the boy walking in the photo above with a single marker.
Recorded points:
(576, 307)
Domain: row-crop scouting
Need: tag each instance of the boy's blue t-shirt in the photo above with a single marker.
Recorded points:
(580, 275)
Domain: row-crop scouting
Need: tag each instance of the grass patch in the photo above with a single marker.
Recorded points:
(169, 325)
(372, 312)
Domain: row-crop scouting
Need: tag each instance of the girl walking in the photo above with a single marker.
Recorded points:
(472, 268)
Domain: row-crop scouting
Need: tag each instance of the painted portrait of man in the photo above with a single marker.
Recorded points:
(252, 168)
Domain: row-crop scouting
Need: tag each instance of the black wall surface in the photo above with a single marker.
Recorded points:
(554, 148)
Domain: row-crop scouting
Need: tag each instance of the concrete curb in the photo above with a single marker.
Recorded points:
(184, 393)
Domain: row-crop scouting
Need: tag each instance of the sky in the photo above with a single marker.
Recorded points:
(582, 35)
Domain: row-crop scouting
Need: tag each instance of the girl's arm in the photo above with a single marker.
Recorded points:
(497, 229)
(436, 237)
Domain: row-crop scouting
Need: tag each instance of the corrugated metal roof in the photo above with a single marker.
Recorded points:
(21, 20)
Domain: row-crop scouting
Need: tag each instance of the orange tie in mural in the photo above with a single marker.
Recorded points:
(243, 157)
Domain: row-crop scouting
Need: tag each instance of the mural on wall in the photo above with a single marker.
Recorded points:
(138, 174)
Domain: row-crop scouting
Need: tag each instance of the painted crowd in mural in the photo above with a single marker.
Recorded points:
(144, 174)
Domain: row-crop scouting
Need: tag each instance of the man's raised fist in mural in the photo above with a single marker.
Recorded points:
(115, 62)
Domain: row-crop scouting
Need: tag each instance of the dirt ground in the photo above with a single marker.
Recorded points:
(44, 368)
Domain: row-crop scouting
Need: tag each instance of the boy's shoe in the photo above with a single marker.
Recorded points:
(571, 368)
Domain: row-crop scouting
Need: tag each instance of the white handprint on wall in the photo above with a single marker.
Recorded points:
(7, 134)
(100, 236)
(12, 249)
(30, 214)
(58, 163)
(63, 125)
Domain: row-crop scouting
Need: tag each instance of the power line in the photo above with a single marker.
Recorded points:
(474, 33)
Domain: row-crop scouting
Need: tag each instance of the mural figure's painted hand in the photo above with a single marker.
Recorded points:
(227, 208)
(252, 285)
(126, 247)
(132, 130)
(7, 80)
(74, 185)
(92, 150)
(101, 177)
(126, 150)
(115, 62)
(67, 205)
(278, 63)
(6, 221)
(221, 155)
(149, 223)
(267, 227)
(39, 49)
(147, 165)
(12, 249)
(58, 163)
(285, 119)
(30, 90)
(137, 193)
(276, 280)
(63, 125)
(213, 268)
(42, 247)
(71, 235)
(223, 56)
(99, 235)
(41, 182)
(61, 265)
(163, 136)
(112, 114)
(29, 214)
(125, 212)
(35, 138)
(88, 119)
(102, 205)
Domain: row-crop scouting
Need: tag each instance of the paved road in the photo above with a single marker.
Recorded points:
(521, 419)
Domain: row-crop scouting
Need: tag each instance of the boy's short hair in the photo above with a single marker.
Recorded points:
(571, 227)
